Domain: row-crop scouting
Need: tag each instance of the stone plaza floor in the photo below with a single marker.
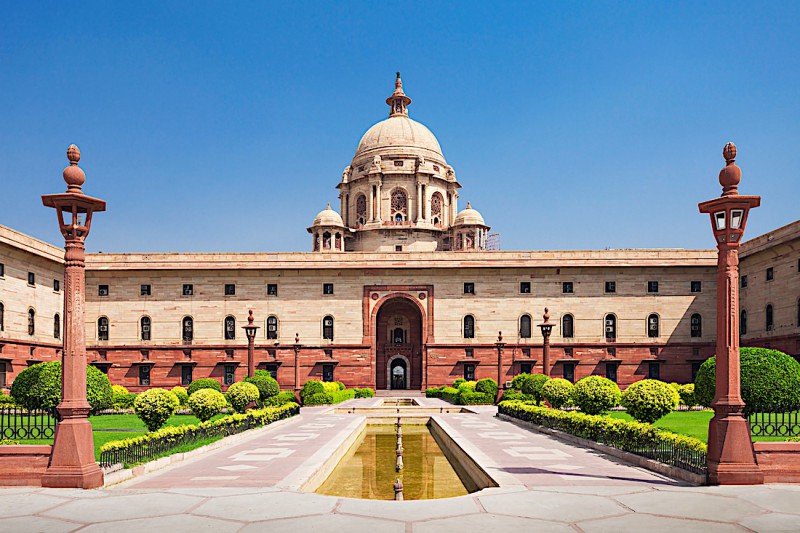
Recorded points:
(545, 485)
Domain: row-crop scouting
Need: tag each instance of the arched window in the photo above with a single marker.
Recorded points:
(652, 326)
(525, 327)
(327, 328)
(437, 202)
(610, 322)
(230, 328)
(398, 336)
(743, 322)
(187, 327)
(272, 327)
(31, 321)
(361, 210)
(56, 326)
(568, 326)
(102, 328)
(769, 317)
(399, 205)
(326, 240)
(469, 327)
(145, 328)
(696, 325)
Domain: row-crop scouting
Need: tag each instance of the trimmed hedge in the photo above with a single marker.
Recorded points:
(487, 386)
(154, 407)
(39, 387)
(203, 383)
(450, 394)
(242, 394)
(516, 395)
(205, 403)
(558, 392)
(317, 392)
(365, 393)
(433, 392)
(596, 394)
(266, 384)
(649, 399)
(282, 398)
(476, 398)
(770, 379)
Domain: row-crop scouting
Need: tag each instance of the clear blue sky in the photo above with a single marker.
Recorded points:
(222, 126)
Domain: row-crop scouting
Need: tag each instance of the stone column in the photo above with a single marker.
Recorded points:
(378, 216)
(371, 199)
(419, 203)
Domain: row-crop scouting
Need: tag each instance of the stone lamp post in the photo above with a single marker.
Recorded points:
(731, 458)
(250, 331)
(547, 328)
(296, 347)
(72, 462)
(499, 345)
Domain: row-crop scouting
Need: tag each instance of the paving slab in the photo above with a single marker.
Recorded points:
(327, 524)
(410, 510)
(257, 507)
(167, 524)
(488, 522)
(19, 503)
(772, 522)
(655, 524)
(690, 505)
(559, 507)
(37, 524)
(123, 507)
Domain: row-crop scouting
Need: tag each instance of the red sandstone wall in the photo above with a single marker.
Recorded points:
(23, 465)
(779, 461)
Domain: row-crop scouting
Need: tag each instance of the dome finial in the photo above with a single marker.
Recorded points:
(329, 206)
(469, 205)
(399, 102)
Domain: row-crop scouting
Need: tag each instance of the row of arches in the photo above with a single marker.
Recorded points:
(399, 209)
(32, 322)
(769, 318)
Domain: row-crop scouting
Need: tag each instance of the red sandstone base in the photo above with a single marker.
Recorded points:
(729, 439)
(72, 464)
(23, 465)
(779, 461)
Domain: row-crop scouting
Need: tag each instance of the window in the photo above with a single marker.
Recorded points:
(611, 371)
(145, 290)
(653, 371)
(327, 288)
(2, 270)
(398, 336)
(770, 274)
(769, 317)
(652, 286)
(230, 289)
(2, 317)
(611, 327)
(2, 374)
(611, 286)
(272, 328)
(568, 326)
(144, 375)
(525, 287)
(525, 368)
(187, 327)
(327, 373)
(31, 321)
(327, 328)
(399, 205)
(469, 352)
(696, 286)
(56, 326)
(469, 288)
(652, 325)
(469, 371)
(743, 281)
(273, 371)
(272, 289)
(31, 278)
(230, 328)
(526, 352)
(569, 372)
(696, 325)
(798, 316)
(145, 328)
(469, 327)
(567, 287)
(102, 290)
(525, 327)
(361, 210)
(568, 352)
(188, 289)
(695, 369)
(56, 285)
(186, 375)
(102, 328)
(230, 374)
(398, 247)
(743, 322)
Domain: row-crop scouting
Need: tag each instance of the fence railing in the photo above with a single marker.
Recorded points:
(775, 421)
(17, 423)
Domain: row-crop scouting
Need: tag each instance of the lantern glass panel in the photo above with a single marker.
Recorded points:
(736, 218)
(719, 220)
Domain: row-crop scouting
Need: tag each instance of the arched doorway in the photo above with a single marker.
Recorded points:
(398, 350)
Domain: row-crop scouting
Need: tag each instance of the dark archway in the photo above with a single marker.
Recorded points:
(398, 328)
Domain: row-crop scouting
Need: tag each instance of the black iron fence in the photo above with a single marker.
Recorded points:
(17, 423)
(775, 421)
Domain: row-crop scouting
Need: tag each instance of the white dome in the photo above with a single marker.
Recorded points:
(397, 135)
(328, 217)
(469, 217)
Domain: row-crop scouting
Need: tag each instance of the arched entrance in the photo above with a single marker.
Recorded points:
(398, 350)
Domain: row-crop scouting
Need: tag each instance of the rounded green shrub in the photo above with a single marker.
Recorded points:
(154, 407)
(467, 386)
(203, 383)
(487, 386)
(595, 395)
(515, 395)
(557, 392)
(321, 398)
(242, 394)
(181, 394)
(280, 399)
(6, 400)
(365, 393)
(534, 385)
(687, 395)
(118, 389)
(770, 379)
(205, 403)
(266, 384)
(457, 383)
(649, 399)
(39, 387)
(340, 385)
(519, 381)
(312, 386)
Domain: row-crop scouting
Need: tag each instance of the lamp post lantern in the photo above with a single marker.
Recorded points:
(250, 330)
(731, 458)
(72, 463)
(547, 328)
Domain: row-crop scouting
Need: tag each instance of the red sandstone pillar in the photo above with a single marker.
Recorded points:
(72, 463)
(296, 347)
(500, 345)
(250, 331)
(546, 328)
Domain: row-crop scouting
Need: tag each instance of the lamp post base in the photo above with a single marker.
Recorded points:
(732, 460)
(72, 462)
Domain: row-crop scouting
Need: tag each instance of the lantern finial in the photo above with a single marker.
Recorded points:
(731, 175)
(73, 174)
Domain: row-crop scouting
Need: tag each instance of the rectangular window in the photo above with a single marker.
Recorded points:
(398, 247)
(611, 286)
(525, 287)
(145, 290)
(144, 375)
(653, 371)
(230, 374)
(652, 286)
(469, 372)
(327, 373)
(526, 352)
(327, 288)
(695, 369)
(697, 286)
(2, 374)
(230, 289)
(188, 289)
(611, 371)
(31, 278)
(525, 368)
(567, 287)
(770, 274)
(56, 285)
(469, 352)
(273, 371)
(569, 372)
(102, 290)
(2, 270)
(568, 352)
(186, 375)
(743, 281)
(272, 289)
(469, 288)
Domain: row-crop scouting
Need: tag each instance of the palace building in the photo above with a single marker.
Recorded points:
(400, 289)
